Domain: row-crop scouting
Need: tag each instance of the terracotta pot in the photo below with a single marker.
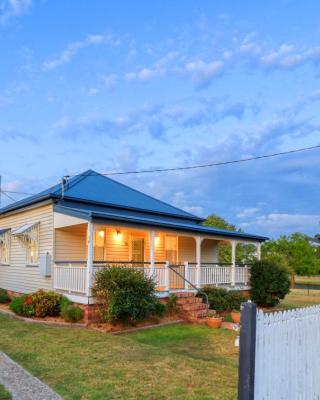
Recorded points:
(235, 316)
(214, 322)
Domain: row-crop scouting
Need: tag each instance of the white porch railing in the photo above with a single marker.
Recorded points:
(71, 276)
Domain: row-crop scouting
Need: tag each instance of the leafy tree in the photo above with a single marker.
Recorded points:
(270, 282)
(245, 253)
(296, 252)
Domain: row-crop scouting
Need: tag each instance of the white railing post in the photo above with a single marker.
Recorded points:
(167, 276)
(152, 252)
(198, 261)
(233, 262)
(90, 257)
(186, 274)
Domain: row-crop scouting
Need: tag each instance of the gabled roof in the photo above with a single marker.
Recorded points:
(92, 187)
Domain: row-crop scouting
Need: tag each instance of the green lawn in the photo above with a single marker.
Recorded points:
(307, 280)
(4, 394)
(174, 362)
(300, 298)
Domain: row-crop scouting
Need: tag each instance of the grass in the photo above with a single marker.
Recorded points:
(4, 394)
(307, 280)
(173, 362)
(300, 298)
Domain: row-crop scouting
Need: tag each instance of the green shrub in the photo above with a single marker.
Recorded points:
(39, 304)
(270, 282)
(124, 294)
(71, 313)
(159, 309)
(46, 303)
(223, 300)
(4, 298)
(23, 305)
(172, 306)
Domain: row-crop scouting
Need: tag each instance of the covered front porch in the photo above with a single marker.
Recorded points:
(176, 260)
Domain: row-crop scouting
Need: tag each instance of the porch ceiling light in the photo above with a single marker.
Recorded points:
(118, 235)
(101, 234)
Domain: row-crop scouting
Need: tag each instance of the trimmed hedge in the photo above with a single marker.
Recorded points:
(223, 300)
(270, 282)
(125, 294)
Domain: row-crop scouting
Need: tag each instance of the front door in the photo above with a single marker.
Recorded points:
(137, 249)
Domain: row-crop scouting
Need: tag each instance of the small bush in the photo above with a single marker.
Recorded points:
(270, 282)
(159, 309)
(71, 313)
(172, 306)
(23, 306)
(223, 300)
(4, 298)
(46, 303)
(124, 294)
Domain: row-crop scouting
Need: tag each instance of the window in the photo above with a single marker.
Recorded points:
(4, 246)
(32, 245)
(99, 245)
(172, 249)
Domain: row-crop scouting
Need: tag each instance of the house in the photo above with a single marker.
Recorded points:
(57, 239)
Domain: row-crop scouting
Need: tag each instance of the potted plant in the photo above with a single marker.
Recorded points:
(213, 320)
(235, 316)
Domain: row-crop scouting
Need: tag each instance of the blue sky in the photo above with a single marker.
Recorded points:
(129, 85)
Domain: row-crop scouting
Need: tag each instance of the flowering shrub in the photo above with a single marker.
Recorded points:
(39, 304)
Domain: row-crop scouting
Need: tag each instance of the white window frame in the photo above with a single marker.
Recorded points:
(33, 235)
(5, 242)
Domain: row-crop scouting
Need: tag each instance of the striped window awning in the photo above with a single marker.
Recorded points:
(26, 231)
(3, 235)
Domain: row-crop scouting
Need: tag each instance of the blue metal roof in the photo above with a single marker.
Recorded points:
(105, 214)
(93, 187)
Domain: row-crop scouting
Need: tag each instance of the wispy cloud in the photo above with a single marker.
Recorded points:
(73, 49)
(202, 73)
(13, 8)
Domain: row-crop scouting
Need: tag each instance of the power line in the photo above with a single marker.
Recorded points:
(9, 197)
(215, 164)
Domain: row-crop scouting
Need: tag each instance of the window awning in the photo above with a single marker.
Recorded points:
(3, 231)
(3, 236)
(25, 230)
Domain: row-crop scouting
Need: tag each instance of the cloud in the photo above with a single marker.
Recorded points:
(110, 81)
(203, 73)
(273, 223)
(145, 74)
(73, 49)
(13, 8)
(7, 135)
(248, 212)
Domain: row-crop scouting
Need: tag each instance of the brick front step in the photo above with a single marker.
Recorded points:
(191, 307)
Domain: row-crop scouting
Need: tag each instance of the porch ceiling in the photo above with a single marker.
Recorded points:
(107, 215)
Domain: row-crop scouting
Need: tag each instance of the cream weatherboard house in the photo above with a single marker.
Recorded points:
(56, 240)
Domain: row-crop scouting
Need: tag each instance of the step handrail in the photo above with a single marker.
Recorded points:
(171, 267)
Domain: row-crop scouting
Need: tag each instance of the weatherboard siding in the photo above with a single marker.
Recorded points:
(71, 243)
(17, 276)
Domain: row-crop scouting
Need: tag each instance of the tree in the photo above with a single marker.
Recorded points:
(245, 252)
(296, 252)
(269, 282)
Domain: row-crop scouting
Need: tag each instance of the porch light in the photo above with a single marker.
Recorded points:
(118, 235)
(157, 240)
(101, 234)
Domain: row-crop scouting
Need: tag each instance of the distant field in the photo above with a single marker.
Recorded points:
(300, 298)
(307, 280)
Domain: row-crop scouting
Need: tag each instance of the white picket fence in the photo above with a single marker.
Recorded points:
(287, 360)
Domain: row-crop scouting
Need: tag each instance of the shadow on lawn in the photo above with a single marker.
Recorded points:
(202, 343)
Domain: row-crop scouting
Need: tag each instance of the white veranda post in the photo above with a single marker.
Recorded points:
(233, 262)
(198, 260)
(152, 251)
(259, 251)
(90, 256)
